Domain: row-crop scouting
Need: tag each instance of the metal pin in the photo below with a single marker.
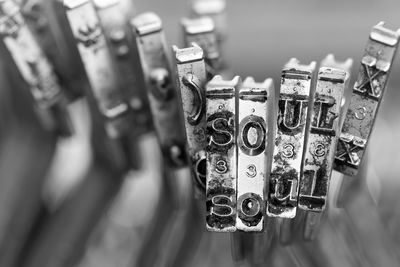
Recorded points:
(253, 144)
(162, 95)
(202, 31)
(289, 141)
(367, 94)
(221, 154)
(35, 69)
(98, 64)
(191, 79)
(322, 139)
(214, 9)
(114, 16)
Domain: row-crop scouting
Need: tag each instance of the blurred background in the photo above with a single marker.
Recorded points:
(59, 208)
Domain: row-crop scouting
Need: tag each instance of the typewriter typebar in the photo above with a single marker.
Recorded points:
(202, 31)
(366, 98)
(114, 17)
(49, 24)
(289, 140)
(164, 103)
(330, 62)
(215, 9)
(191, 80)
(221, 154)
(253, 141)
(322, 139)
(99, 65)
(313, 219)
(35, 69)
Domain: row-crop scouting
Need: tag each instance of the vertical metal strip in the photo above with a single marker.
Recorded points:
(252, 161)
(366, 98)
(202, 32)
(290, 137)
(114, 17)
(35, 69)
(221, 154)
(322, 139)
(191, 79)
(98, 63)
(163, 97)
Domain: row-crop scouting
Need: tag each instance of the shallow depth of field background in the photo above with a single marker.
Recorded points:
(262, 36)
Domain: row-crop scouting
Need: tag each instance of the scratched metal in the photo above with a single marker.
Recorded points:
(215, 9)
(202, 31)
(322, 139)
(221, 154)
(289, 140)
(41, 22)
(252, 142)
(164, 103)
(191, 78)
(114, 16)
(98, 63)
(366, 98)
(330, 62)
(35, 68)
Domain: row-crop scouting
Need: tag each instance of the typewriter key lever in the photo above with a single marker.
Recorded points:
(191, 79)
(164, 103)
(366, 98)
(35, 69)
(288, 159)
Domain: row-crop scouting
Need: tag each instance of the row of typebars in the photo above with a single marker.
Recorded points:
(253, 153)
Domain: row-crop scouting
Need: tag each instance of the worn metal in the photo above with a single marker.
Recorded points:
(294, 101)
(322, 139)
(202, 32)
(163, 97)
(114, 16)
(366, 98)
(99, 66)
(191, 78)
(330, 62)
(221, 154)
(35, 69)
(215, 9)
(253, 142)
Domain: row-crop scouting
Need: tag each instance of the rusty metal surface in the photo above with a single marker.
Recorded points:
(221, 154)
(294, 99)
(254, 140)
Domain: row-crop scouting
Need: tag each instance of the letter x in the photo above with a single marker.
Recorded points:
(349, 148)
(375, 91)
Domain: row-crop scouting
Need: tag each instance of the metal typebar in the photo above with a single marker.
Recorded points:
(35, 69)
(99, 66)
(253, 140)
(289, 141)
(191, 80)
(366, 98)
(114, 16)
(221, 154)
(164, 103)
